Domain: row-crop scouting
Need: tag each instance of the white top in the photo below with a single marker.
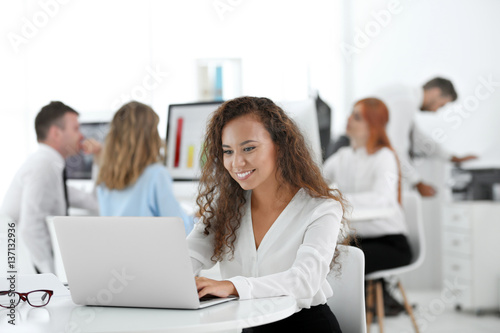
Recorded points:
(37, 191)
(293, 258)
(403, 103)
(368, 181)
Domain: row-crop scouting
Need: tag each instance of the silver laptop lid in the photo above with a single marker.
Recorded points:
(127, 261)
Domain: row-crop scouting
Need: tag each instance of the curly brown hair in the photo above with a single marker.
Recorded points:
(221, 198)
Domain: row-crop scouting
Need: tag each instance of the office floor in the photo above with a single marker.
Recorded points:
(433, 316)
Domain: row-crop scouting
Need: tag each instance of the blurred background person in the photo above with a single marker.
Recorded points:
(132, 180)
(38, 190)
(368, 174)
(406, 137)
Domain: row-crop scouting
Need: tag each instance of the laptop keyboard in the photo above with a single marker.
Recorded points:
(208, 298)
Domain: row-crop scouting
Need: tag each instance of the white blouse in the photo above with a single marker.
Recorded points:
(293, 258)
(368, 181)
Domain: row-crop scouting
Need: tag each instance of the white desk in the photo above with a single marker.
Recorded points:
(62, 315)
(186, 192)
(370, 214)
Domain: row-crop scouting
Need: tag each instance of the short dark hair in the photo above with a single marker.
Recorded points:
(444, 85)
(50, 114)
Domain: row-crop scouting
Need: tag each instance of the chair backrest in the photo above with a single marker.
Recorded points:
(412, 206)
(348, 300)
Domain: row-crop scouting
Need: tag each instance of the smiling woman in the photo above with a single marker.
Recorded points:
(251, 162)
(267, 215)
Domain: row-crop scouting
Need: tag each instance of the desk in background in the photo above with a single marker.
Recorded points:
(186, 192)
(370, 214)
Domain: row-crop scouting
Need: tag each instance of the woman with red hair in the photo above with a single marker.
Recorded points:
(368, 174)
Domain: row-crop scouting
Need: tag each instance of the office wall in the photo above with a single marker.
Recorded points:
(63, 51)
(417, 41)
(96, 55)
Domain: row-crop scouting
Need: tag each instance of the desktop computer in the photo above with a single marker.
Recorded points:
(80, 166)
(185, 131)
(475, 184)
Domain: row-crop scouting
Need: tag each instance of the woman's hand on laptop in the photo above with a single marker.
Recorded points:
(207, 286)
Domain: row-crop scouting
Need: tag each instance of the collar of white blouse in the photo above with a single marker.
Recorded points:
(275, 227)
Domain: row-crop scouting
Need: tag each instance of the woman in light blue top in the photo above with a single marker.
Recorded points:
(132, 181)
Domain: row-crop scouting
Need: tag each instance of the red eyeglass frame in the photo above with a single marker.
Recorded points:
(24, 297)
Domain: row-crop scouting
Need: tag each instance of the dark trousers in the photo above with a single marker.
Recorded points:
(384, 252)
(317, 319)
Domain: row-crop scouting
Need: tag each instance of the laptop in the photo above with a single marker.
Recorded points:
(129, 262)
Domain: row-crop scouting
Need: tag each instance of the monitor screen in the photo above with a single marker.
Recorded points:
(303, 112)
(80, 166)
(185, 131)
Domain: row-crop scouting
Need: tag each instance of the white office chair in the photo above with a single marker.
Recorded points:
(58, 262)
(348, 300)
(412, 207)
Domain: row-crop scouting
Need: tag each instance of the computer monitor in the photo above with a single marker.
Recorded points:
(482, 184)
(80, 166)
(305, 116)
(474, 184)
(186, 129)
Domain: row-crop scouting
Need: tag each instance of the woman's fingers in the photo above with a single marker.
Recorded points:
(203, 286)
(207, 286)
(201, 282)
